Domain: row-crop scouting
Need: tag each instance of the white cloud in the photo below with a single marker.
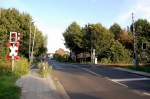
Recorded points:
(140, 8)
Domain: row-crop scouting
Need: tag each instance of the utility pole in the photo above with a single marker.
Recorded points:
(30, 44)
(135, 43)
(0, 12)
(33, 45)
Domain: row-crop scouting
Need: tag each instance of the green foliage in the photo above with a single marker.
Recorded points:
(60, 58)
(105, 61)
(5, 65)
(115, 29)
(140, 68)
(97, 37)
(44, 69)
(112, 46)
(13, 21)
(142, 29)
(8, 89)
(73, 37)
(21, 67)
(119, 54)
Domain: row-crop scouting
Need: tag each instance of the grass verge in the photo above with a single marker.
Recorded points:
(140, 68)
(143, 68)
(8, 89)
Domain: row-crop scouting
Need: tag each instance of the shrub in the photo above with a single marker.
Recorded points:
(5, 65)
(21, 67)
(105, 61)
(119, 54)
(44, 69)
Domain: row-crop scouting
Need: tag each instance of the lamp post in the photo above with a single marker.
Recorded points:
(33, 45)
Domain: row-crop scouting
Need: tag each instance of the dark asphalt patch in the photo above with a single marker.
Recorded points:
(114, 73)
(142, 85)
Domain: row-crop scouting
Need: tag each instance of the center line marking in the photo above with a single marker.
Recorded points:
(130, 79)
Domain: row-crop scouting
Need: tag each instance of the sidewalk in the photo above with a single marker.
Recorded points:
(35, 87)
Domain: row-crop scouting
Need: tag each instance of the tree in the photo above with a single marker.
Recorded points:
(142, 30)
(118, 53)
(97, 37)
(116, 30)
(13, 21)
(126, 40)
(73, 38)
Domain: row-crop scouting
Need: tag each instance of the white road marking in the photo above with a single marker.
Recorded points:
(145, 93)
(90, 71)
(105, 77)
(118, 83)
(130, 79)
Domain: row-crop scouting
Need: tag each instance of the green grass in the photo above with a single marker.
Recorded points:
(140, 68)
(8, 89)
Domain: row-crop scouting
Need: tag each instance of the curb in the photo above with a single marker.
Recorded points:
(135, 72)
(59, 87)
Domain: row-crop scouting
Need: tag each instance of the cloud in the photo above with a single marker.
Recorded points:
(140, 8)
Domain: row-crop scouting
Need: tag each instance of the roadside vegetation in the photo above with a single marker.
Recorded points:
(44, 69)
(8, 89)
(112, 45)
(14, 21)
(145, 68)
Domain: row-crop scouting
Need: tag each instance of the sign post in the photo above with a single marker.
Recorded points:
(14, 46)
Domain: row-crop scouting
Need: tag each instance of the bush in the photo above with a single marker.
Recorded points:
(44, 69)
(119, 54)
(105, 61)
(61, 58)
(5, 65)
(21, 67)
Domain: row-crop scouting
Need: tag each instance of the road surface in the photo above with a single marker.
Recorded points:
(90, 82)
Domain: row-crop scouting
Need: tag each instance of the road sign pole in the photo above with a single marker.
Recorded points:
(13, 64)
(13, 61)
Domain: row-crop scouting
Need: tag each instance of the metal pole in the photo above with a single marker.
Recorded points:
(30, 44)
(13, 64)
(13, 61)
(33, 45)
(135, 43)
(0, 12)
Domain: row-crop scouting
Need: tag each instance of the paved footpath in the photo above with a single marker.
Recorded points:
(35, 87)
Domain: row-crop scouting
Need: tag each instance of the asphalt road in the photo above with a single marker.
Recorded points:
(90, 82)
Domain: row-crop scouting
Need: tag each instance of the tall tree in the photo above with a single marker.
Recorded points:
(73, 37)
(142, 30)
(97, 37)
(116, 30)
(13, 21)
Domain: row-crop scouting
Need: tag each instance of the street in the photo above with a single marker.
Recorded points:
(90, 82)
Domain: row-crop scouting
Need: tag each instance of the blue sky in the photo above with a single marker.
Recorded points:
(53, 16)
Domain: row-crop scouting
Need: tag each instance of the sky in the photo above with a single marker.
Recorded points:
(52, 17)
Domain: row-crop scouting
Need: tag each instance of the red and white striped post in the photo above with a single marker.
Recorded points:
(14, 47)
